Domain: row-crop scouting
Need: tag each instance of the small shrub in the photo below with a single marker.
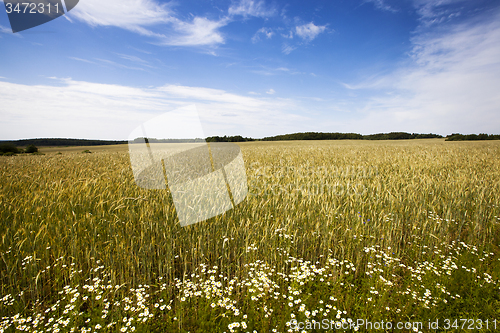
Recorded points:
(31, 149)
(86, 151)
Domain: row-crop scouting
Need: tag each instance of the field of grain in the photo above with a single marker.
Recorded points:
(331, 232)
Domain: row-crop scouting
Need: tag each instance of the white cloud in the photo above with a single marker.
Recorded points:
(309, 31)
(201, 31)
(105, 111)
(250, 8)
(132, 15)
(264, 31)
(271, 92)
(143, 16)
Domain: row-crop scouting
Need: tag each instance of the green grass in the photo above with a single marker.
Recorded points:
(395, 231)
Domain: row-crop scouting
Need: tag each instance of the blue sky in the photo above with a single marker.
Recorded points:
(255, 68)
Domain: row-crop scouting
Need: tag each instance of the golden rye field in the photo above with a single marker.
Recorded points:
(393, 231)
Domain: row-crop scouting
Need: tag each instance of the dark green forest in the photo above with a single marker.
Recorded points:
(55, 142)
(472, 137)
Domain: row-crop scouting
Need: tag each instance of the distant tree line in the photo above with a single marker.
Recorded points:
(63, 142)
(328, 136)
(10, 146)
(472, 137)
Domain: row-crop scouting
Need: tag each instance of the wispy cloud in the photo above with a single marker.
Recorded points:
(8, 31)
(262, 31)
(382, 5)
(106, 62)
(251, 8)
(434, 12)
(140, 50)
(267, 71)
(289, 35)
(200, 32)
(309, 31)
(83, 60)
(136, 60)
(271, 92)
(118, 65)
(5, 30)
(450, 84)
(287, 49)
(132, 58)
